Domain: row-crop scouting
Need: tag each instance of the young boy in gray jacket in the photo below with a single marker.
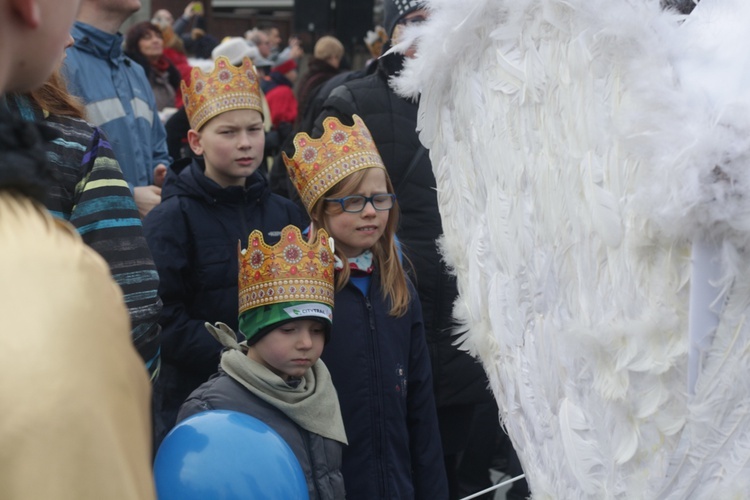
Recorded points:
(276, 376)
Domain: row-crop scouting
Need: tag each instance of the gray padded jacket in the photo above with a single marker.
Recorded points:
(319, 457)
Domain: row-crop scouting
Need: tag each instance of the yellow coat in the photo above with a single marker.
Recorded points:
(74, 395)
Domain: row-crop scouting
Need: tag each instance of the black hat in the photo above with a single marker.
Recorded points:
(394, 10)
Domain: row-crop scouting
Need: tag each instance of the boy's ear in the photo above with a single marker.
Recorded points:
(28, 11)
(194, 140)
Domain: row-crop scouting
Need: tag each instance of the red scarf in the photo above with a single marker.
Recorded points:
(161, 65)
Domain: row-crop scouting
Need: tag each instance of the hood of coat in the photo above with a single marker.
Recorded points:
(186, 178)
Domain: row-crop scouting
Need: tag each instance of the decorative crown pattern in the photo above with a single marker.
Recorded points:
(225, 88)
(319, 164)
(291, 270)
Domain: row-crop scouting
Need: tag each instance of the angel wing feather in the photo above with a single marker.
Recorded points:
(579, 149)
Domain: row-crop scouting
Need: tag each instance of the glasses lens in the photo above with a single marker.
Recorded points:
(354, 203)
(382, 201)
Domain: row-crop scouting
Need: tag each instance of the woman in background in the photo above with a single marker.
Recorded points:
(144, 43)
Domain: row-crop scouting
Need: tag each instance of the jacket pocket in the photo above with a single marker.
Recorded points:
(215, 264)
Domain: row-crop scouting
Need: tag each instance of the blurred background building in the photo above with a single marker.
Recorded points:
(347, 20)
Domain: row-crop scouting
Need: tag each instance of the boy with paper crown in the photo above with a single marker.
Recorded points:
(275, 375)
(208, 204)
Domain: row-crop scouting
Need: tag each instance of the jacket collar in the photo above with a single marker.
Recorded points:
(186, 178)
(97, 42)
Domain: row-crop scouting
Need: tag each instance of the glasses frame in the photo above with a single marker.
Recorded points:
(368, 199)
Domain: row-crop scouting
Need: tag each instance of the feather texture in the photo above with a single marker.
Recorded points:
(579, 147)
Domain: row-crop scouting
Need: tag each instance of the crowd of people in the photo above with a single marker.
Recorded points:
(163, 148)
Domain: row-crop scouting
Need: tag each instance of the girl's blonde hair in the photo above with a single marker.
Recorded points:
(385, 253)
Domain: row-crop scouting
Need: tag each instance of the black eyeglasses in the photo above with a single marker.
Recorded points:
(356, 203)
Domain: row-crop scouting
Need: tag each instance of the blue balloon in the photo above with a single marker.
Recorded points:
(228, 455)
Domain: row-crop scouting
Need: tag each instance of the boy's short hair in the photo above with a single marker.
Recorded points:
(328, 47)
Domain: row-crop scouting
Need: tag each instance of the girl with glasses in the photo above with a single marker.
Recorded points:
(377, 355)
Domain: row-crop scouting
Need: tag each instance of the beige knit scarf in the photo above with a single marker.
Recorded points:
(313, 404)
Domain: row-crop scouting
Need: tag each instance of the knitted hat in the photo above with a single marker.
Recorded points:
(258, 322)
(394, 10)
(285, 282)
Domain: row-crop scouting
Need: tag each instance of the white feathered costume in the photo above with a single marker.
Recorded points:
(592, 159)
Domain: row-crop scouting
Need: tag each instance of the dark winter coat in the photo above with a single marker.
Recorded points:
(392, 120)
(319, 457)
(318, 72)
(193, 235)
(381, 370)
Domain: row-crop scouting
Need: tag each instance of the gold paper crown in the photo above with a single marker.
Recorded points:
(319, 164)
(225, 88)
(292, 270)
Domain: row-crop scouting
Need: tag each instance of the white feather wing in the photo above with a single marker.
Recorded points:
(572, 164)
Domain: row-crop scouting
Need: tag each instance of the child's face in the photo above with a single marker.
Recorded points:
(291, 349)
(356, 232)
(231, 144)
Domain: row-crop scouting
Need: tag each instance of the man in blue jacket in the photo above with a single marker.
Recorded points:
(118, 97)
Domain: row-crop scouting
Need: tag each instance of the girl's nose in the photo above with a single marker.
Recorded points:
(369, 210)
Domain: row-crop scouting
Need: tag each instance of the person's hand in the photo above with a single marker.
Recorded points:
(189, 10)
(146, 198)
(296, 48)
(296, 52)
(160, 173)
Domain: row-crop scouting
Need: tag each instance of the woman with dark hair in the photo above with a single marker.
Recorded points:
(144, 44)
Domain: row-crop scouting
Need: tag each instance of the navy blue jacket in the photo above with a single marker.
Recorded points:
(380, 367)
(193, 235)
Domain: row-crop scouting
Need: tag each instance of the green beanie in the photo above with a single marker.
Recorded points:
(255, 323)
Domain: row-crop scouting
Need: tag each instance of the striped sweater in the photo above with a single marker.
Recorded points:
(93, 196)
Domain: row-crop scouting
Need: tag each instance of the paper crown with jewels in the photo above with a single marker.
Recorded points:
(319, 164)
(225, 88)
(292, 270)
